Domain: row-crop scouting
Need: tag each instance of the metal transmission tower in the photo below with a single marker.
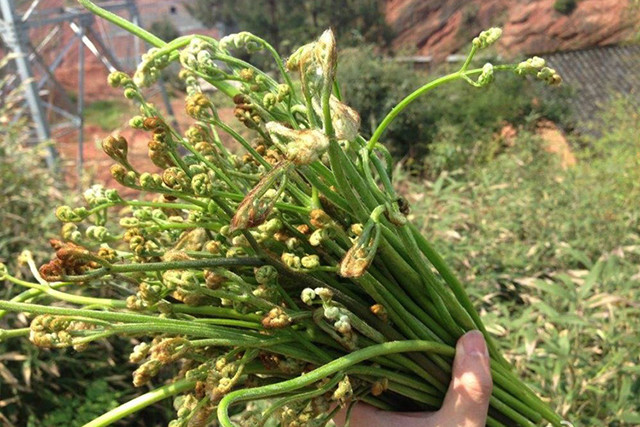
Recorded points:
(60, 113)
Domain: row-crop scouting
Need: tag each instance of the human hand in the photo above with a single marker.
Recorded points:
(465, 404)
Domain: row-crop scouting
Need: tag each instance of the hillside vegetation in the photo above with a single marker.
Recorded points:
(552, 257)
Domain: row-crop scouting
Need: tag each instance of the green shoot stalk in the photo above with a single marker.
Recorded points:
(141, 402)
(457, 288)
(298, 397)
(324, 371)
(63, 296)
(461, 74)
(31, 294)
(164, 266)
(6, 334)
(405, 103)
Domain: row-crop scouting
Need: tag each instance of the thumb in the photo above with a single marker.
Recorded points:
(467, 401)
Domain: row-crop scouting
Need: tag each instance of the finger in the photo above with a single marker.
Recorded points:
(364, 415)
(467, 401)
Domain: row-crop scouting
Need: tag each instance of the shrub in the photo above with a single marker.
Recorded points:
(565, 6)
(454, 116)
(165, 29)
(530, 206)
(27, 187)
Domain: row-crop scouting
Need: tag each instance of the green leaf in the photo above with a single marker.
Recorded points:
(553, 289)
(591, 280)
(579, 256)
(631, 417)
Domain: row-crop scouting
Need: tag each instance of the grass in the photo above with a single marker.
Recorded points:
(107, 114)
(552, 258)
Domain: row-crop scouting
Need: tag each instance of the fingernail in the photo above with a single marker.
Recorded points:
(473, 344)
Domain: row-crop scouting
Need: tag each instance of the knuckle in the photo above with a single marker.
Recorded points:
(476, 388)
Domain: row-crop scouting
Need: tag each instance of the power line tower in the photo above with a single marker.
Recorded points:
(41, 39)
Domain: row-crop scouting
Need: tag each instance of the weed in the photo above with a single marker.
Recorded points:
(107, 114)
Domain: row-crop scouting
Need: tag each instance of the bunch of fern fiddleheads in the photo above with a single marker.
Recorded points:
(288, 272)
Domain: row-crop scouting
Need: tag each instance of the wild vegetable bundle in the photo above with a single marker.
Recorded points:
(288, 272)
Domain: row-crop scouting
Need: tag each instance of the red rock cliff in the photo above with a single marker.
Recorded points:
(442, 27)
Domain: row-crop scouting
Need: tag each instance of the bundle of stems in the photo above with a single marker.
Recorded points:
(289, 272)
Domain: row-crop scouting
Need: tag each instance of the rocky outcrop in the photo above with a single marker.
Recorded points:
(442, 27)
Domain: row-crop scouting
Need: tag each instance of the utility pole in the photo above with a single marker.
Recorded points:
(15, 29)
(14, 36)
